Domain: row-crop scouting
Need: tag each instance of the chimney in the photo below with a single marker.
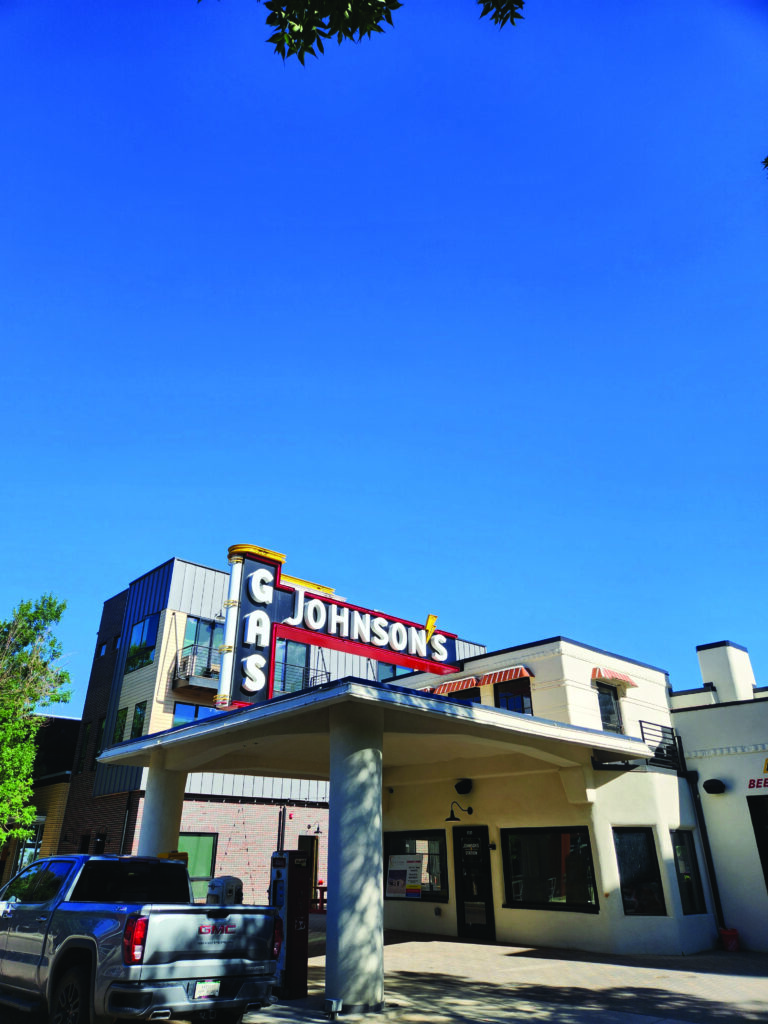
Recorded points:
(728, 667)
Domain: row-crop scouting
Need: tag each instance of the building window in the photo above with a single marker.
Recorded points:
(85, 737)
(141, 650)
(687, 868)
(99, 746)
(28, 849)
(514, 696)
(139, 714)
(291, 666)
(386, 673)
(122, 715)
(610, 713)
(427, 879)
(183, 714)
(200, 655)
(102, 650)
(200, 848)
(469, 696)
(116, 643)
(549, 869)
(641, 890)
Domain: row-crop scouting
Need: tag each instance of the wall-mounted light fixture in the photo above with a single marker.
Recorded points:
(452, 816)
(714, 786)
(318, 831)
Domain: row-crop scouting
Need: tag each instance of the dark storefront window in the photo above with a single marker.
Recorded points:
(549, 869)
(610, 713)
(687, 868)
(430, 846)
(641, 889)
(141, 650)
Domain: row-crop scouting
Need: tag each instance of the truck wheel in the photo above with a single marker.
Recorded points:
(71, 998)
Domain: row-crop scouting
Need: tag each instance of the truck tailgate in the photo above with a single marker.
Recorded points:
(188, 940)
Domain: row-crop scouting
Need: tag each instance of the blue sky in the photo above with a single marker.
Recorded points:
(463, 321)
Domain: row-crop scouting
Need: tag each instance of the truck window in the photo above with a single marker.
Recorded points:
(132, 881)
(20, 888)
(51, 879)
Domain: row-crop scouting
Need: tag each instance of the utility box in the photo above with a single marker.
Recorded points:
(289, 893)
(225, 891)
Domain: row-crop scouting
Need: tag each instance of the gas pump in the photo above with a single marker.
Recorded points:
(289, 891)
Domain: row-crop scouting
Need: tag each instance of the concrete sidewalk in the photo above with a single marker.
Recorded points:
(444, 982)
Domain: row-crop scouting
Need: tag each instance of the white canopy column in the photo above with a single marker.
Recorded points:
(163, 804)
(355, 925)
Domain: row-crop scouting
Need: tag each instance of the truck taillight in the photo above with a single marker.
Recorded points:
(134, 939)
(277, 942)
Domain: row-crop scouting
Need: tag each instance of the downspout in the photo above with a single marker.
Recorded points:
(226, 680)
(692, 778)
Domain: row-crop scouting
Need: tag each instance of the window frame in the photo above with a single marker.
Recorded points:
(140, 717)
(537, 832)
(695, 888)
(118, 733)
(607, 690)
(399, 837)
(514, 688)
(625, 882)
(142, 643)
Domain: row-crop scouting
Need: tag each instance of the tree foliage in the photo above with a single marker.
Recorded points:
(300, 28)
(30, 679)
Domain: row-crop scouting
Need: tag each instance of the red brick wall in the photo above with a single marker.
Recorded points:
(247, 837)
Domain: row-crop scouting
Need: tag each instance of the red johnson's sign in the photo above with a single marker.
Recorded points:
(269, 609)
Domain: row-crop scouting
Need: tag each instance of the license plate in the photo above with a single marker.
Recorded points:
(206, 989)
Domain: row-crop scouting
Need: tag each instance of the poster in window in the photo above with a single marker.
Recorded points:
(404, 876)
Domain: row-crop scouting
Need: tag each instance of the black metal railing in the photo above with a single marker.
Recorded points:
(663, 742)
(292, 678)
(197, 660)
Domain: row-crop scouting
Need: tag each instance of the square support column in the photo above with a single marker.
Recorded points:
(355, 923)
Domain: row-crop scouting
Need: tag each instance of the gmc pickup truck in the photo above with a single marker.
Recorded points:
(88, 940)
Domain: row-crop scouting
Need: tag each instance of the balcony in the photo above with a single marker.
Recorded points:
(197, 666)
(663, 742)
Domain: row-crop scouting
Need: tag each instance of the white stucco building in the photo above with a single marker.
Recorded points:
(536, 795)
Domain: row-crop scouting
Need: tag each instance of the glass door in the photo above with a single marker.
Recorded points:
(474, 890)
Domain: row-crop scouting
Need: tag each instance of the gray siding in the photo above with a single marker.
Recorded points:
(198, 590)
(257, 787)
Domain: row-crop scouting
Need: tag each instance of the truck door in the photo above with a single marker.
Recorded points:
(26, 915)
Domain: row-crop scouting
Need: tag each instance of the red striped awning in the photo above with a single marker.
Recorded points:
(456, 684)
(610, 675)
(506, 674)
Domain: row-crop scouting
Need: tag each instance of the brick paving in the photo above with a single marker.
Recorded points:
(443, 982)
(431, 981)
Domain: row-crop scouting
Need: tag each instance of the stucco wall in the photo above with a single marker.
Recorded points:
(730, 743)
(540, 798)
